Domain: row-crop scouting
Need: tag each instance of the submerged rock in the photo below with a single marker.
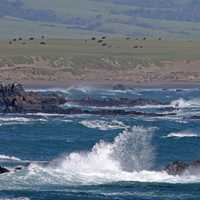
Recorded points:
(119, 87)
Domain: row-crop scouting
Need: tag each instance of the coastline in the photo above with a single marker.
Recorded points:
(110, 84)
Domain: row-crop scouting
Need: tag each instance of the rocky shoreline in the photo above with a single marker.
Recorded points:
(15, 99)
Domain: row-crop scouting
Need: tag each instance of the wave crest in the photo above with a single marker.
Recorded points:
(129, 154)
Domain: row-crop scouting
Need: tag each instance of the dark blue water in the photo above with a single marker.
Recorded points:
(96, 157)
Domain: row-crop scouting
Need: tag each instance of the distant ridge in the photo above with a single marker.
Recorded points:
(82, 18)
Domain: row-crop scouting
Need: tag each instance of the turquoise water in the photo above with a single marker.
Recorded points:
(99, 157)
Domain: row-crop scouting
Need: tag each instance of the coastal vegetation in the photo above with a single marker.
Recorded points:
(98, 58)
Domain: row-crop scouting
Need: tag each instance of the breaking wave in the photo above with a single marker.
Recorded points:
(130, 154)
(103, 125)
(130, 157)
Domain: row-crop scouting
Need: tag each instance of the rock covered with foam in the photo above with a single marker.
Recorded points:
(181, 167)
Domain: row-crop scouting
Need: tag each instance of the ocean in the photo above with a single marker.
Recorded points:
(91, 157)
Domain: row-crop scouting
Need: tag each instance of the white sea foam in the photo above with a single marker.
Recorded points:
(181, 103)
(10, 120)
(45, 114)
(103, 125)
(182, 134)
(62, 90)
(15, 119)
(153, 106)
(5, 157)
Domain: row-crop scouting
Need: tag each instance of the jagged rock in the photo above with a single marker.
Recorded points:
(119, 87)
(180, 167)
(14, 99)
(3, 170)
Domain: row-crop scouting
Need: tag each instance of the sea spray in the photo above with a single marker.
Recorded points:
(130, 157)
(133, 149)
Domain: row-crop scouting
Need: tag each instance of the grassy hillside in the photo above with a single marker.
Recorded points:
(110, 59)
(84, 18)
(124, 51)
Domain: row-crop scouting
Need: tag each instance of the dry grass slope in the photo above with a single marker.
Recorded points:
(112, 59)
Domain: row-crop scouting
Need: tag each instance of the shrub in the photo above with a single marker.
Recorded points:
(43, 43)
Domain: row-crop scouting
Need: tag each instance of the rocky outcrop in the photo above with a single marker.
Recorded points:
(4, 170)
(180, 167)
(14, 99)
(119, 87)
(88, 101)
